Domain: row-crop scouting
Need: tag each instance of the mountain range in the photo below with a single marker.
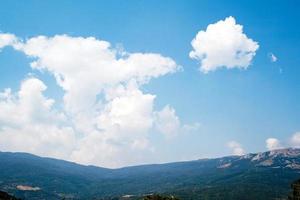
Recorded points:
(259, 176)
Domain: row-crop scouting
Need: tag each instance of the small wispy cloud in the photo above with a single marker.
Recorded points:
(272, 57)
(236, 148)
(295, 140)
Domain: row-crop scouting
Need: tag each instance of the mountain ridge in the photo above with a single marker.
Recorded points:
(274, 152)
(197, 179)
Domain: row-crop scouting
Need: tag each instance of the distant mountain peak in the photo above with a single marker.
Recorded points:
(280, 158)
(287, 153)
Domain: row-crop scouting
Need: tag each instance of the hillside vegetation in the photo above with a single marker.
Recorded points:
(261, 176)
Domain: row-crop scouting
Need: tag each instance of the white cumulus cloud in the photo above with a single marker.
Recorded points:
(273, 143)
(223, 44)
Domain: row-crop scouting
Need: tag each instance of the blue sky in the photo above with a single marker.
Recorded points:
(246, 106)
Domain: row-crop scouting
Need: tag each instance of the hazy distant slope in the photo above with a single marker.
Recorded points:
(254, 176)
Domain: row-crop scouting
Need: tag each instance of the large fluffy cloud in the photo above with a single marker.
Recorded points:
(85, 66)
(223, 44)
(106, 117)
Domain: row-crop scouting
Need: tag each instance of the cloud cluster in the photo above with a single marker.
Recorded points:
(223, 44)
(271, 144)
(105, 118)
(292, 141)
(84, 67)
